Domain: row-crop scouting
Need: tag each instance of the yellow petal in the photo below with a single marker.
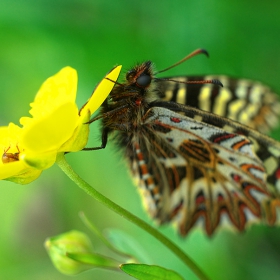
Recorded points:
(102, 90)
(79, 138)
(14, 170)
(9, 137)
(55, 91)
(38, 160)
(11, 169)
(26, 178)
(49, 133)
(18, 172)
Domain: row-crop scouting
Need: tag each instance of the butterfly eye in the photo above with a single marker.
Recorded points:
(143, 81)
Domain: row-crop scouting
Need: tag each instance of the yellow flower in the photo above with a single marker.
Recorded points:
(56, 126)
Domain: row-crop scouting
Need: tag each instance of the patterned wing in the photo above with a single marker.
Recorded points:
(248, 102)
(197, 168)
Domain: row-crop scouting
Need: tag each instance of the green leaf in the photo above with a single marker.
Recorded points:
(127, 244)
(149, 272)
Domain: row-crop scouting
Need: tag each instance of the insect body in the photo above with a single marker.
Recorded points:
(195, 163)
(10, 157)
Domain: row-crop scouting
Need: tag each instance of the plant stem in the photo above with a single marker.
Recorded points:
(67, 169)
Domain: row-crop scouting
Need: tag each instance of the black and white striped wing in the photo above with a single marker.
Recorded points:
(248, 102)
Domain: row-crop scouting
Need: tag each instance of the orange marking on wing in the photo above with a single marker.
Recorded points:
(246, 167)
(239, 145)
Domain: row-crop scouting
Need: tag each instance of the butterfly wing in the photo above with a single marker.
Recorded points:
(194, 163)
(195, 167)
(248, 102)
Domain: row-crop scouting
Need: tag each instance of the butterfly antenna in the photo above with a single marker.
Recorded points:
(115, 82)
(194, 53)
(213, 82)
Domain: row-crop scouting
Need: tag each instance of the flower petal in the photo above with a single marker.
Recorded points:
(55, 91)
(102, 90)
(18, 172)
(10, 169)
(49, 133)
(14, 170)
(79, 138)
(9, 137)
(39, 161)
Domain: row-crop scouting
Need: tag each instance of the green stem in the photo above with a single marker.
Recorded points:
(67, 169)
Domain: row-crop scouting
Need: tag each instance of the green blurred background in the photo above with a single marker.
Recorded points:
(38, 38)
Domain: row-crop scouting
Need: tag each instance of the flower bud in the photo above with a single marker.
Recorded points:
(72, 253)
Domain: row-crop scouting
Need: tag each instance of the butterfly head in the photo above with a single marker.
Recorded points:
(141, 75)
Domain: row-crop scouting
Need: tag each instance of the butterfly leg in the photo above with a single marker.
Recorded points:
(104, 139)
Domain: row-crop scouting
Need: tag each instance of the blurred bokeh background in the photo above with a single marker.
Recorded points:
(38, 38)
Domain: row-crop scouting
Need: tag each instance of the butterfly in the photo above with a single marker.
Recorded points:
(198, 150)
